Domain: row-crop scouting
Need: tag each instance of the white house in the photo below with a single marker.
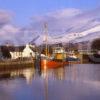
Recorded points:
(28, 52)
(22, 51)
(15, 54)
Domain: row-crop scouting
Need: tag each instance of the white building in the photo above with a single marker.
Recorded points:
(22, 51)
(28, 52)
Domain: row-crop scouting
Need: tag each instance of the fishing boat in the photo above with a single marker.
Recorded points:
(47, 62)
(73, 59)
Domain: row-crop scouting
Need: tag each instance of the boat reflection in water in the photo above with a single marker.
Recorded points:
(75, 82)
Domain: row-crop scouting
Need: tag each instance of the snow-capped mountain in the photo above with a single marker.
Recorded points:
(78, 27)
(89, 34)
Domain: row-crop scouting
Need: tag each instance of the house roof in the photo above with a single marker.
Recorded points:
(33, 49)
(17, 48)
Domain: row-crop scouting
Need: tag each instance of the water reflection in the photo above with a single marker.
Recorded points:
(28, 74)
(75, 82)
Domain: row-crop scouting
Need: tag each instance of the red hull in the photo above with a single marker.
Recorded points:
(52, 64)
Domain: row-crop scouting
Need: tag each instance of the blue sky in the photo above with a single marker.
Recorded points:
(25, 9)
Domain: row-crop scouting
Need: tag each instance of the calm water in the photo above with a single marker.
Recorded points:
(77, 82)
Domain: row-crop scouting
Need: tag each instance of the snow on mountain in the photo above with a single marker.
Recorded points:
(92, 30)
(89, 37)
(89, 34)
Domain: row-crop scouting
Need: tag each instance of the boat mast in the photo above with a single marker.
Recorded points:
(46, 39)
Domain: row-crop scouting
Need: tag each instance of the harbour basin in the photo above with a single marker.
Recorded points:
(74, 82)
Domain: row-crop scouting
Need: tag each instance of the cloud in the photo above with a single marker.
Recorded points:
(25, 35)
(8, 29)
(64, 13)
(5, 17)
(56, 20)
(16, 35)
(11, 32)
(8, 32)
(60, 22)
(66, 21)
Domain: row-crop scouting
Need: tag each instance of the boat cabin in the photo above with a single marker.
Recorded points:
(59, 53)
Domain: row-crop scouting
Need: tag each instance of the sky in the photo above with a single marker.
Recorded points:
(21, 20)
(23, 10)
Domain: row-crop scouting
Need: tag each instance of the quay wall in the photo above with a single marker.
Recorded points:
(14, 65)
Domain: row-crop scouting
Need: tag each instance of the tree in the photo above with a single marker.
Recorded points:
(5, 52)
(96, 44)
